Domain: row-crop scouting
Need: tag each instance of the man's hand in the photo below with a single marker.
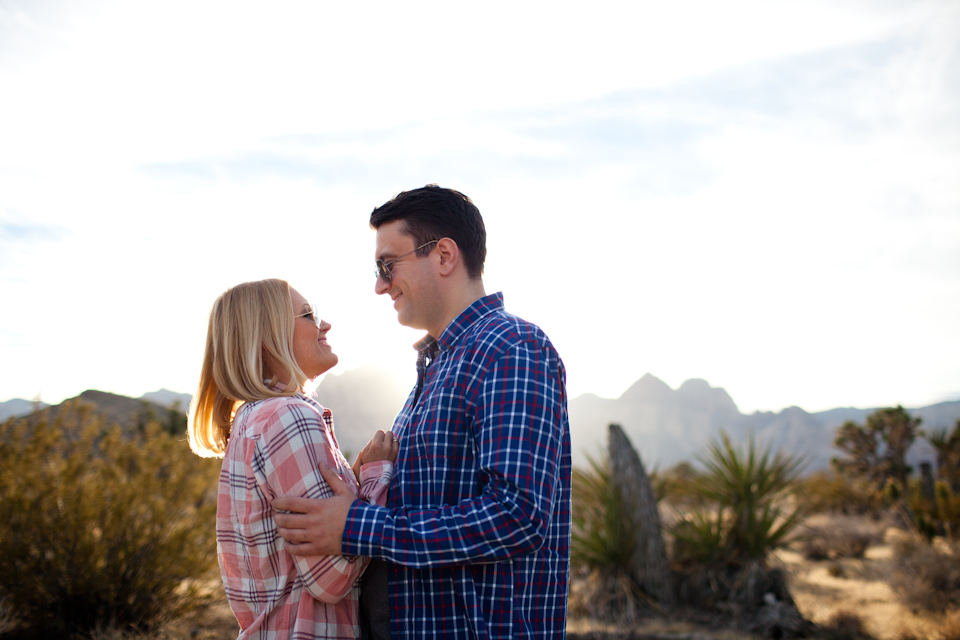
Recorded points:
(315, 527)
(382, 446)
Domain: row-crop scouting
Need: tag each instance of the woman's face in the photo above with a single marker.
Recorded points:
(310, 348)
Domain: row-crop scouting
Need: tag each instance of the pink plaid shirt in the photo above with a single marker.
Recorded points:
(276, 447)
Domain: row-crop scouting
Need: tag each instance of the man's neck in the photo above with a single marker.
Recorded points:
(460, 299)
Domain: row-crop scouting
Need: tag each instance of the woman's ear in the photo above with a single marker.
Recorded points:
(449, 254)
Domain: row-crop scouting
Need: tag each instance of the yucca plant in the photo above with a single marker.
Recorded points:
(601, 549)
(699, 538)
(600, 537)
(746, 516)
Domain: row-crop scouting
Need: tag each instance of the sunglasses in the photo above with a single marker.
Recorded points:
(311, 315)
(383, 268)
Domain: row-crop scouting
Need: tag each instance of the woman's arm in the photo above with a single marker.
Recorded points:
(292, 448)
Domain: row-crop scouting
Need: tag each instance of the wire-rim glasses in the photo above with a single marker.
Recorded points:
(312, 315)
(383, 268)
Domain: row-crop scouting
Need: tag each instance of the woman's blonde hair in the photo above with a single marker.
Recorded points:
(247, 322)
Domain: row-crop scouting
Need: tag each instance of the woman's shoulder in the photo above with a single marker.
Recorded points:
(260, 415)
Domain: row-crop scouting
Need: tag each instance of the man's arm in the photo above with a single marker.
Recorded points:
(315, 527)
(520, 434)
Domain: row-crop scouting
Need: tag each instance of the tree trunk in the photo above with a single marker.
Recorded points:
(649, 566)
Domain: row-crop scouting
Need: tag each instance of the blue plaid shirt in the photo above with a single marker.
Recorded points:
(477, 524)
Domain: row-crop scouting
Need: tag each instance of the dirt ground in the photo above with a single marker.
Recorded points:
(820, 588)
(861, 586)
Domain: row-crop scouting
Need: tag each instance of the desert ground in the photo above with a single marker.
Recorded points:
(822, 589)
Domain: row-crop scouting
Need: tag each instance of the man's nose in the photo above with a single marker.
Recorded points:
(381, 286)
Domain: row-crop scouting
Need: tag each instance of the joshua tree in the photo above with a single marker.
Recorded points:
(895, 428)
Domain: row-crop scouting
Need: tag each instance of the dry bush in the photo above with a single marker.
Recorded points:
(950, 629)
(940, 516)
(609, 596)
(830, 547)
(926, 578)
(839, 537)
(845, 625)
(101, 527)
(829, 491)
(8, 621)
(601, 548)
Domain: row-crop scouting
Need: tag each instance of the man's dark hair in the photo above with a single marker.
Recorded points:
(432, 212)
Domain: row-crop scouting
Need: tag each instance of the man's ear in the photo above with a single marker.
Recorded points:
(449, 254)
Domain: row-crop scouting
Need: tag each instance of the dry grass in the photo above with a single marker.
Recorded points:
(213, 622)
(831, 536)
(927, 576)
(845, 625)
(860, 585)
(950, 630)
(8, 621)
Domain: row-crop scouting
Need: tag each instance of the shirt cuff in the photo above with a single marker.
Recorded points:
(371, 470)
(363, 531)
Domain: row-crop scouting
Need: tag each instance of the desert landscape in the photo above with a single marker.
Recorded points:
(752, 544)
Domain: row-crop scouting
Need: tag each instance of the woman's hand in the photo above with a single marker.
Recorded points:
(382, 446)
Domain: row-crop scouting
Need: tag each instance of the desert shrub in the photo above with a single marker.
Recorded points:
(675, 485)
(851, 545)
(925, 577)
(845, 625)
(601, 548)
(8, 621)
(100, 526)
(950, 629)
(600, 537)
(829, 491)
(720, 545)
(837, 536)
(745, 514)
(939, 516)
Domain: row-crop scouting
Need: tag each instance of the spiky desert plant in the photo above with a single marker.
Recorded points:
(600, 537)
(750, 516)
(601, 549)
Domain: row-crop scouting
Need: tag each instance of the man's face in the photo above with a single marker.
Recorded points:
(412, 285)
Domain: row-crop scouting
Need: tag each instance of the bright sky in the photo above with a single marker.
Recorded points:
(765, 195)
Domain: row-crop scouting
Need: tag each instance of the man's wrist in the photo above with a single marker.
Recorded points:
(363, 530)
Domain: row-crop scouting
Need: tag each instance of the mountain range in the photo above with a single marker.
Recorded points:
(665, 425)
(668, 425)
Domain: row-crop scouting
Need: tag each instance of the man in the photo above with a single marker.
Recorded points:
(477, 525)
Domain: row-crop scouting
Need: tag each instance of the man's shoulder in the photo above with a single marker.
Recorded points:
(501, 331)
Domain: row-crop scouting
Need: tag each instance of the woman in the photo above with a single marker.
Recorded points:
(264, 343)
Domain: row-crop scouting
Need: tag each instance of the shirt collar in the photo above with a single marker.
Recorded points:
(469, 316)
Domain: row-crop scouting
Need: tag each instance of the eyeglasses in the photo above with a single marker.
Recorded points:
(311, 315)
(383, 268)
